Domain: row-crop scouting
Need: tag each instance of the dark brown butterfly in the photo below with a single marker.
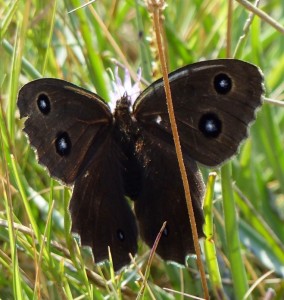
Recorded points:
(130, 153)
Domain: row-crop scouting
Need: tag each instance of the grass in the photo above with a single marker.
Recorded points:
(39, 258)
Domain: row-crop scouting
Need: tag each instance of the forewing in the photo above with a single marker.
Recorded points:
(65, 124)
(214, 104)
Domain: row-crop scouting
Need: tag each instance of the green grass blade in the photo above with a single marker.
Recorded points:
(232, 234)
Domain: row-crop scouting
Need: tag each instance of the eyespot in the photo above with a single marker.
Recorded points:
(210, 125)
(222, 83)
(120, 235)
(63, 144)
(43, 104)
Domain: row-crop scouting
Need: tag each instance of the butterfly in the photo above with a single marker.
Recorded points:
(127, 158)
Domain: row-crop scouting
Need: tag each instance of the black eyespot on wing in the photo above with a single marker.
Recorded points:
(120, 235)
(210, 125)
(43, 104)
(222, 83)
(63, 144)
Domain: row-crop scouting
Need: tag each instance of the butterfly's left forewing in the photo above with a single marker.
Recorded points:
(214, 103)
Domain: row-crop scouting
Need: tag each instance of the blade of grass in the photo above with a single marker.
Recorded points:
(94, 61)
(209, 246)
(144, 52)
(16, 67)
(238, 271)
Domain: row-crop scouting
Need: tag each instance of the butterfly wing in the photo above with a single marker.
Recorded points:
(65, 125)
(71, 129)
(214, 103)
(100, 213)
(162, 199)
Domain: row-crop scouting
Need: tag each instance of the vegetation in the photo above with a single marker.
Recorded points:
(39, 258)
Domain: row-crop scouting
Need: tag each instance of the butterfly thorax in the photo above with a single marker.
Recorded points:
(123, 120)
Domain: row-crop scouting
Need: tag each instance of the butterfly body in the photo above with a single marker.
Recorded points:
(130, 153)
